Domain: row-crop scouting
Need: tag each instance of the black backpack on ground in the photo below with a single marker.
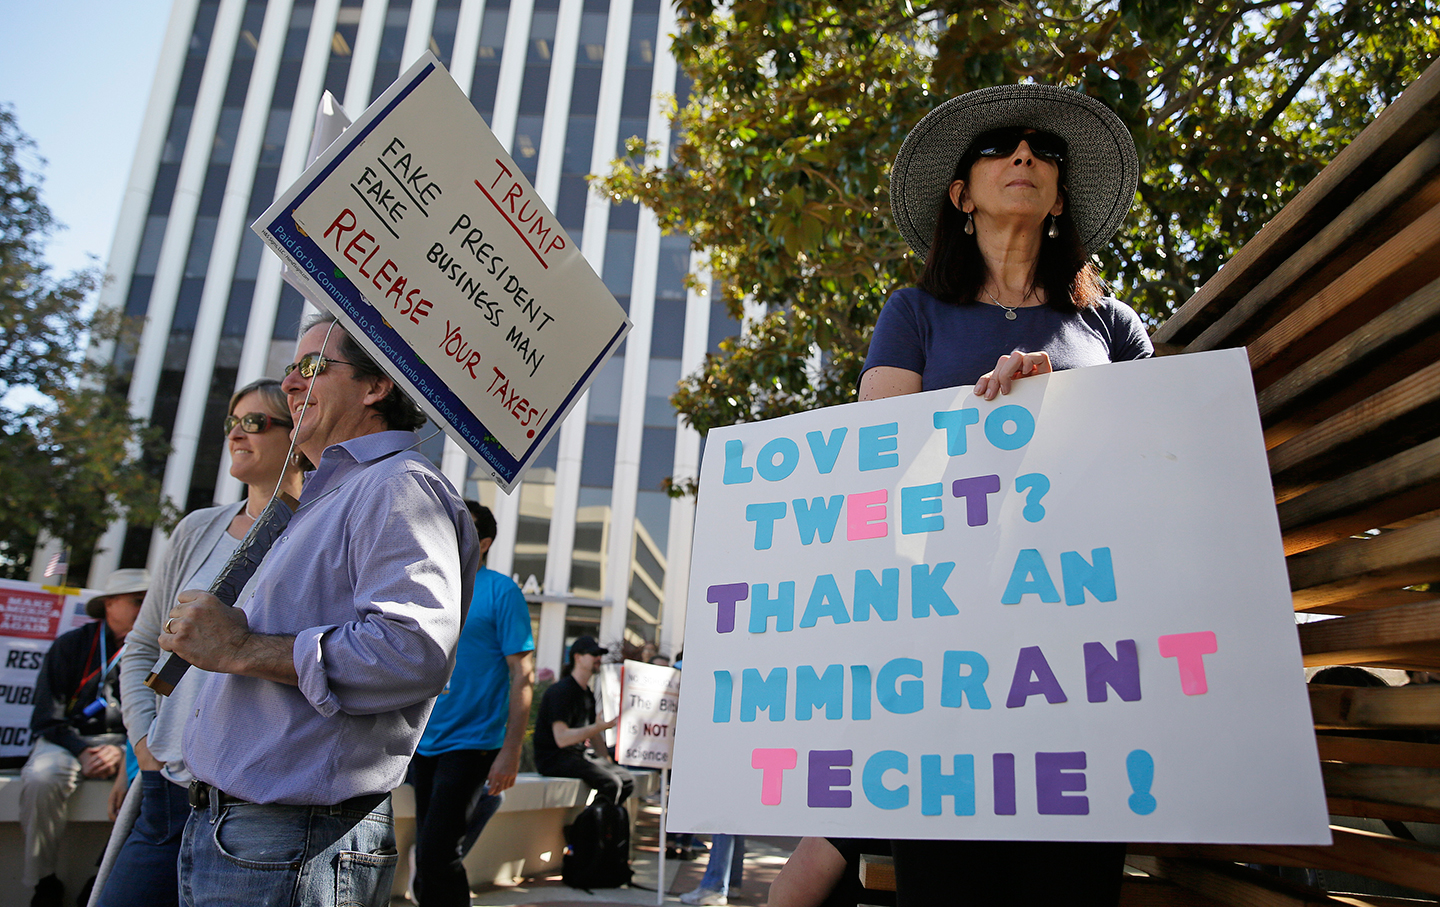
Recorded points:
(597, 852)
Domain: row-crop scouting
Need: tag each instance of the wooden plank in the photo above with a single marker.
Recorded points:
(877, 872)
(1372, 809)
(1232, 884)
(1411, 354)
(1377, 900)
(1410, 706)
(1404, 415)
(1399, 657)
(1365, 853)
(1365, 601)
(1396, 788)
(1367, 354)
(1144, 891)
(1429, 663)
(1376, 636)
(1397, 130)
(1401, 194)
(1406, 484)
(1369, 750)
(1352, 568)
(1392, 272)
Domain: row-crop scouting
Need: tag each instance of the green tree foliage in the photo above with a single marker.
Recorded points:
(71, 457)
(781, 163)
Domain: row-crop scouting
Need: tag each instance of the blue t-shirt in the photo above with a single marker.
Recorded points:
(952, 345)
(471, 712)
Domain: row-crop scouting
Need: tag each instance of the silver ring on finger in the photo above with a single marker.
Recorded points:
(168, 622)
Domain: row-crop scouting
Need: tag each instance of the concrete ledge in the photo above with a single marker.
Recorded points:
(525, 837)
(80, 849)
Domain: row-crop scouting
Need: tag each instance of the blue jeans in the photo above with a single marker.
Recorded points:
(726, 865)
(145, 869)
(248, 854)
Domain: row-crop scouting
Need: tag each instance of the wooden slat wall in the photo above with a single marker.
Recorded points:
(1337, 302)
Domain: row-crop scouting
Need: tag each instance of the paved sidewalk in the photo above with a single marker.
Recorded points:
(763, 859)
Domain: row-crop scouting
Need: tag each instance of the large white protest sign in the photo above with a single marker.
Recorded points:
(419, 232)
(649, 700)
(31, 616)
(1059, 615)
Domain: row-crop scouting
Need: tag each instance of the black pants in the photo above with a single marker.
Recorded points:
(612, 783)
(448, 788)
(1004, 873)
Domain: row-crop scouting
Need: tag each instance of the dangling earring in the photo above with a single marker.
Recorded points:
(969, 224)
(1054, 231)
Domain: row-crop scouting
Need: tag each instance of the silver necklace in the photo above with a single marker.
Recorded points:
(247, 510)
(1009, 310)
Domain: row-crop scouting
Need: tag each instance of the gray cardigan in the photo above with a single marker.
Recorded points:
(161, 719)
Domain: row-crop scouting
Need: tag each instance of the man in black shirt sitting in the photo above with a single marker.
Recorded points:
(566, 725)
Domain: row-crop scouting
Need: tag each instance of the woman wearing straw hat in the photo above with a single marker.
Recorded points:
(1006, 192)
(257, 433)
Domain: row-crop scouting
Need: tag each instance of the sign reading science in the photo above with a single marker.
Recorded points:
(419, 232)
(1059, 615)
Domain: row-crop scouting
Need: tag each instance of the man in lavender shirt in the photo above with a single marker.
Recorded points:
(327, 669)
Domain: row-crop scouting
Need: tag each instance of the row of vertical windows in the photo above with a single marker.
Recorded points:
(487, 57)
(342, 47)
(392, 44)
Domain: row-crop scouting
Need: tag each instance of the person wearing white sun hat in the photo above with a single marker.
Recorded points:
(1006, 192)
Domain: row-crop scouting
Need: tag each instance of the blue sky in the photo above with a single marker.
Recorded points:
(77, 74)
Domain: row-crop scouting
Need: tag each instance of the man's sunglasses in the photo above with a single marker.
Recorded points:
(255, 423)
(312, 364)
(1002, 142)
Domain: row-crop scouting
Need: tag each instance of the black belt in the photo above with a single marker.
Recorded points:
(202, 795)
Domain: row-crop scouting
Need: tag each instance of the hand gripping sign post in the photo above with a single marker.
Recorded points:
(1060, 615)
(645, 735)
(418, 231)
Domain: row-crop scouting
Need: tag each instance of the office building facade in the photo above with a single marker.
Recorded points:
(597, 543)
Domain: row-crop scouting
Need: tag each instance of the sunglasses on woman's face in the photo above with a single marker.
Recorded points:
(1003, 142)
(254, 423)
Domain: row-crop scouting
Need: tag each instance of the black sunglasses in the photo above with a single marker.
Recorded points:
(312, 364)
(255, 423)
(1002, 142)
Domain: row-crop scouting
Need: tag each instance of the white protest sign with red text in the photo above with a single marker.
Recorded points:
(31, 616)
(419, 232)
(1060, 615)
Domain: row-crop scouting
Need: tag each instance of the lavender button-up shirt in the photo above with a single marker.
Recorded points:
(372, 577)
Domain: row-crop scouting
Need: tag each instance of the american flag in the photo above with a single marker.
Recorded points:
(59, 564)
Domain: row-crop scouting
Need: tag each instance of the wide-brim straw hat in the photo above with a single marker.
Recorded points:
(1101, 167)
(121, 582)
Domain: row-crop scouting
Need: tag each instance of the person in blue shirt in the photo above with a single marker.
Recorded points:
(470, 751)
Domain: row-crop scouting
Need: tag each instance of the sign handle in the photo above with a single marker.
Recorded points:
(660, 885)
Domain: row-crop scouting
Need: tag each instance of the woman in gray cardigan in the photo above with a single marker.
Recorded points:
(258, 437)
